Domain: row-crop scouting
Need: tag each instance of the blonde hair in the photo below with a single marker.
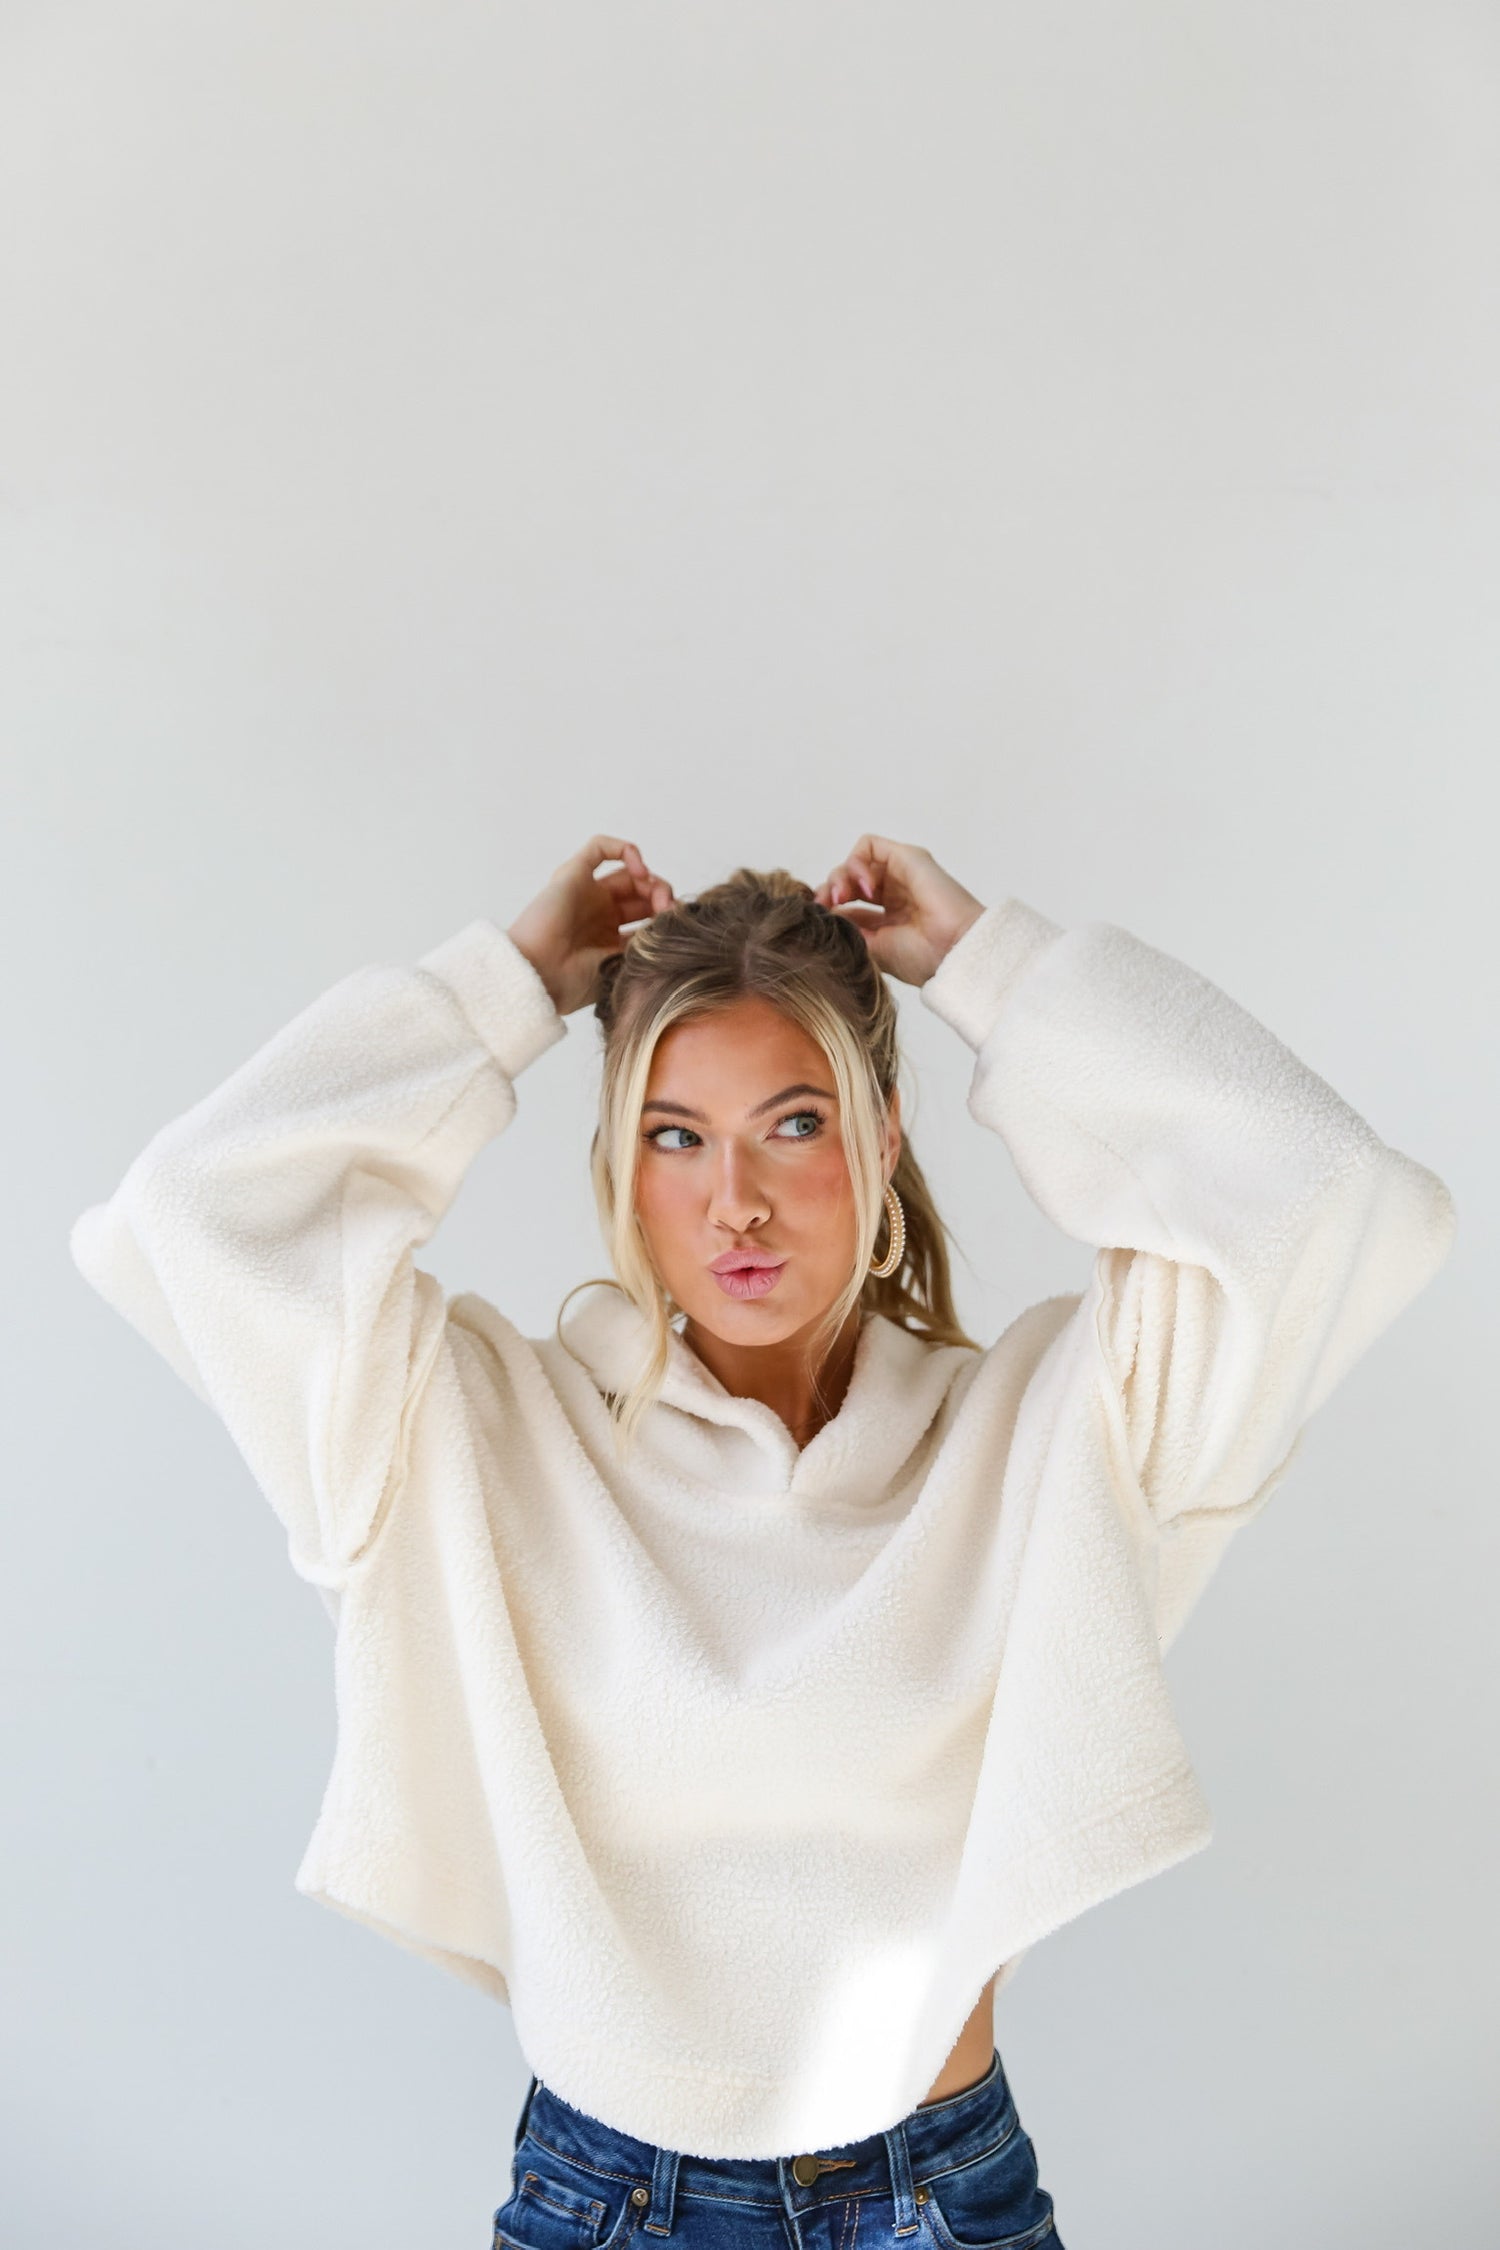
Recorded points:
(762, 934)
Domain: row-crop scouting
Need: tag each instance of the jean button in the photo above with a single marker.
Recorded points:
(640, 2195)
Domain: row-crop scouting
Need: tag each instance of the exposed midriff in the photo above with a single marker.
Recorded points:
(972, 2050)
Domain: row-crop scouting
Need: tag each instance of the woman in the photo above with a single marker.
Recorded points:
(740, 1679)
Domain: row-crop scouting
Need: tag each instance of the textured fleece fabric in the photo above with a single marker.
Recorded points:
(737, 1770)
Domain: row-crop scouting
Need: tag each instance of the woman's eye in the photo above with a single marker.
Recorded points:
(811, 1119)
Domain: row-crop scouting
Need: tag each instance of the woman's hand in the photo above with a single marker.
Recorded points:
(910, 909)
(572, 924)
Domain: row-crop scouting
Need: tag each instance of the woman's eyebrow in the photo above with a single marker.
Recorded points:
(680, 1109)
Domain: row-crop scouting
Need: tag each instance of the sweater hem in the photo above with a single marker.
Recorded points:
(1052, 1882)
(470, 1968)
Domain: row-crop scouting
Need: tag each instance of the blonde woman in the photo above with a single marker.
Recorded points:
(738, 1680)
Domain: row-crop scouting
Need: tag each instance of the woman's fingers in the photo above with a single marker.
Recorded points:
(634, 892)
(840, 886)
(600, 849)
(864, 872)
(622, 883)
(634, 871)
(861, 875)
(653, 888)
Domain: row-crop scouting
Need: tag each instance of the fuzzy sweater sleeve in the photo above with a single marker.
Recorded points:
(1254, 1234)
(263, 1242)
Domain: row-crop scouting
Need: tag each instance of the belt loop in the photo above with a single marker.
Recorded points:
(525, 2112)
(902, 2194)
(658, 2219)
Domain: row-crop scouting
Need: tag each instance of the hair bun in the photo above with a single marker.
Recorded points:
(756, 882)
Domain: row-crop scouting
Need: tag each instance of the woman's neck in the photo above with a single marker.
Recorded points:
(781, 1375)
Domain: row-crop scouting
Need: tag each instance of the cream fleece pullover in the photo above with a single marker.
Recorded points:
(737, 1770)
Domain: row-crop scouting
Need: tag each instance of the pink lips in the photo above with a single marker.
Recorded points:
(752, 1279)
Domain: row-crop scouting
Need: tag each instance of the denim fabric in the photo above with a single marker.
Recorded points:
(956, 2174)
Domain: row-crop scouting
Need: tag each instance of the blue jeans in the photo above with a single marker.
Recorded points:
(956, 2174)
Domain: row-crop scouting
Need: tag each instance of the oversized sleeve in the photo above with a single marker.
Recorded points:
(1253, 1234)
(263, 1242)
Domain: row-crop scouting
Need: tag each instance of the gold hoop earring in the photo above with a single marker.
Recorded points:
(896, 1221)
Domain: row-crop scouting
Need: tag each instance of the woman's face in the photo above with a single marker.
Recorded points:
(741, 1152)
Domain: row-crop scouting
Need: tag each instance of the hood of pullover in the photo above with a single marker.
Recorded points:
(897, 1385)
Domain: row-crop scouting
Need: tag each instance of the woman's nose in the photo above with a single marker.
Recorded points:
(737, 1198)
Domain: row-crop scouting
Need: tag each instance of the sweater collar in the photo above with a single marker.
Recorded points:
(897, 1382)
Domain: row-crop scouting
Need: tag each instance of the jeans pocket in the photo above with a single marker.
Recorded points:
(994, 2202)
(545, 2211)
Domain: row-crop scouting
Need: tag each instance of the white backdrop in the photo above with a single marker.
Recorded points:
(1065, 438)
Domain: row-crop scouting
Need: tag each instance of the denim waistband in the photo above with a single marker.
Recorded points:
(935, 2138)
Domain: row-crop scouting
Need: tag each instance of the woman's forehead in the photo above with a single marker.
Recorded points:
(746, 1040)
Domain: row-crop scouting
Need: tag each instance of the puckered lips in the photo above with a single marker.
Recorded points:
(747, 1273)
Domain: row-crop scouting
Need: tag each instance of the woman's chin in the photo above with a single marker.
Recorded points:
(745, 1320)
(770, 1319)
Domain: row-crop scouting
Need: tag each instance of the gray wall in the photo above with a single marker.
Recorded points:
(1064, 438)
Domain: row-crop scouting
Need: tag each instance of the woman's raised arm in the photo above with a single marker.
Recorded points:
(1255, 1234)
(263, 1242)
